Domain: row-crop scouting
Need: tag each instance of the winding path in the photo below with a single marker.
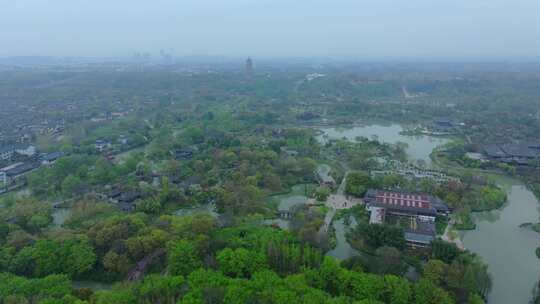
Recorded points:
(333, 201)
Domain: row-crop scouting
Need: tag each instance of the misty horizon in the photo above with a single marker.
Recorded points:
(270, 151)
(357, 30)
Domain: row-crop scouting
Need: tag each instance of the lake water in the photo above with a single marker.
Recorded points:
(286, 202)
(296, 197)
(508, 249)
(419, 147)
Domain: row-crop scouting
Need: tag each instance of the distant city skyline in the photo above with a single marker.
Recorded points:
(358, 29)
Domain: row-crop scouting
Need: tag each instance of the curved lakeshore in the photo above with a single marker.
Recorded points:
(419, 146)
(507, 248)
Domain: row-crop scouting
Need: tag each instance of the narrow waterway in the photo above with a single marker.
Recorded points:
(343, 249)
(508, 249)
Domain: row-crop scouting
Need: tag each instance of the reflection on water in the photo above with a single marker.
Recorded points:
(297, 196)
(508, 249)
(488, 216)
(419, 147)
(285, 202)
(343, 249)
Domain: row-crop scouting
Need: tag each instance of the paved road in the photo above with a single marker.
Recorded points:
(341, 188)
(337, 201)
(327, 220)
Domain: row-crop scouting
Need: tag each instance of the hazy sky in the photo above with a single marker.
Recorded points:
(272, 28)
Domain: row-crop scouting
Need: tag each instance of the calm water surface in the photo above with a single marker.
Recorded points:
(342, 250)
(296, 197)
(286, 202)
(508, 249)
(419, 147)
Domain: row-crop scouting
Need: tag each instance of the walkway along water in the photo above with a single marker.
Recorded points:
(419, 147)
(343, 249)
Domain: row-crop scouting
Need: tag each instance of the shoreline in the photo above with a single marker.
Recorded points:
(448, 236)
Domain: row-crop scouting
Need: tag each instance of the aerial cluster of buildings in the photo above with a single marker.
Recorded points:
(126, 200)
(117, 145)
(182, 154)
(21, 124)
(18, 160)
(23, 131)
(415, 212)
(521, 154)
(445, 126)
(441, 127)
(21, 121)
(7, 152)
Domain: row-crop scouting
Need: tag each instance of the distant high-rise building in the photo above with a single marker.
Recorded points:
(249, 67)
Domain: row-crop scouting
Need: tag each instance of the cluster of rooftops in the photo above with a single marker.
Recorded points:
(419, 209)
(519, 153)
(13, 171)
(408, 202)
(445, 124)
